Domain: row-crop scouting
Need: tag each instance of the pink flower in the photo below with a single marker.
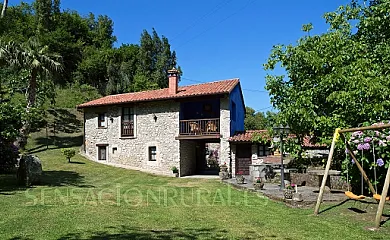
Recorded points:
(357, 133)
(367, 139)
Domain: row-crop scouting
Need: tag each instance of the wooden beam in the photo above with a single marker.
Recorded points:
(373, 127)
(372, 189)
(381, 205)
(321, 193)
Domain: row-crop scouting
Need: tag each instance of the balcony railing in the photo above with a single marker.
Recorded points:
(127, 128)
(199, 126)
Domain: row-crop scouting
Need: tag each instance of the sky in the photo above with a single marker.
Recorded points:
(216, 39)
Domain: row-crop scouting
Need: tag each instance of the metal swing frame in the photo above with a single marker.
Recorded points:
(339, 133)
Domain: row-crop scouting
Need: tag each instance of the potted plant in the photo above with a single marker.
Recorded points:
(240, 178)
(258, 184)
(289, 191)
(223, 171)
(223, 167)
(175, 171)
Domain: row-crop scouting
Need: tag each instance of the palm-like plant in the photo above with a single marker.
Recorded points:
(35, 59)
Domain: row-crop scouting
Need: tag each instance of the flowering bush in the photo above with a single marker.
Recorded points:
(372, 150)
(258, 180)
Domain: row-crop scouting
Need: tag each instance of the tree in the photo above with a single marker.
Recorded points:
(5, 6)
(254, 120)
(339, 78)
(35, 59)
(11, 116)
(155, 58)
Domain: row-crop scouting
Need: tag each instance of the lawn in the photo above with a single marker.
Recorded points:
(88, 200)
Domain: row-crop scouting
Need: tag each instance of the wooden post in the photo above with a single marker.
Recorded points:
(372, 189)
(373, 127)
(321, 193)
(381, 205)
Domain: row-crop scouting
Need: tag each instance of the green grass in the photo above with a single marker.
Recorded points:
(87, 200)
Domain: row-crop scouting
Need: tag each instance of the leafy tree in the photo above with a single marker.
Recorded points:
(86, 47)
(11, 116)
(154, 60)
(18, 24)
(258, 120)
(68, 153)
(336, 79)
(254, 120)
(35, 59)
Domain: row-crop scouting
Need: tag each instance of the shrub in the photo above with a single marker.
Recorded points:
(68, 153)
(372, 150)
(174, 169)
(9, 154)
(10, 122)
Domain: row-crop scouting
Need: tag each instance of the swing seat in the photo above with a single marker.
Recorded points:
(378, 197)
(351, 195)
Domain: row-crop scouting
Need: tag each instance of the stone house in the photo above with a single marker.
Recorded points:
(156, 130)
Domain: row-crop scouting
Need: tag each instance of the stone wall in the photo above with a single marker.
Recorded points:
(161, 133)
(187, 157)
(334, 182)
(225, 131)
(134, 151)
(233, 150)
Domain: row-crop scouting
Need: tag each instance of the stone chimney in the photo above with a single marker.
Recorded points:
(173, 75)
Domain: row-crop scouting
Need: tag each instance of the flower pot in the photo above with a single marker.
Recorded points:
(258, 186)
(240, 179)
(223, 175)
(288, 193)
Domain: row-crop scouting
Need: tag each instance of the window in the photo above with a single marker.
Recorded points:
(262, 150)
(233, 113)
(114, 150)
(102, 153)
(102, 120)
(152, 153)
(127, 121)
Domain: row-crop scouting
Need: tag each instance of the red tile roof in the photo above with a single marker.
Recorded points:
(212, 88)
(246, 136)
(309, 142)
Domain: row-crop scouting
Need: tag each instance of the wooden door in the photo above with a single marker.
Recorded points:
(243, 158)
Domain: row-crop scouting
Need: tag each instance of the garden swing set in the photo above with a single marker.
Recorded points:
(381, 198)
